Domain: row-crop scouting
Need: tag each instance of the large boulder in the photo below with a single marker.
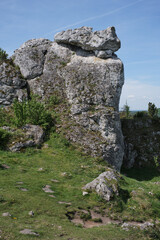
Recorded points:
(12, 84)
(28, 136)
(30, 57)
(103, 43)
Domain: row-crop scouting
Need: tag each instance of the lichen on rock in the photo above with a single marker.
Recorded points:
(106, 184)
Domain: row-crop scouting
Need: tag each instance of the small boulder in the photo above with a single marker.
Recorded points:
(33, 136)
(105, 185)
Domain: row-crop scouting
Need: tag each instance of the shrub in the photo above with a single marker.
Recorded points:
(32, 112)
(5, 118)
(141, 114)
(4, 138)
(152, 110)
(125, 113)
(3, 55)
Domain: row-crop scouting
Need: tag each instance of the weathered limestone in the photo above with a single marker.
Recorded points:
(12, 85)
(105, 185)
(30, 57)
(98, 41)
(30, 136)
(82, 69)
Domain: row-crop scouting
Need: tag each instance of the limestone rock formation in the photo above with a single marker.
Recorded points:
(12, 84)
(103, 43)
(30, 57)
(105, 185)
(89, 86)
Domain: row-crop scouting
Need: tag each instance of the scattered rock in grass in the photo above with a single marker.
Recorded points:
(31, 213)
(85, 193)
(29, 232)
(47, 189)
(52, 196)
(157, 183)
(40, 169)
(54, 180)
(66, 203)
(125, 226)
(67, 175)
(45, 145)
(24, 189)
(4, 166)
(7, 214)
(89, 219)
(146, 225)
(63, 174)
(142, 226)
(20, 183)
(133, 193)
(106, 184)
(150, 193)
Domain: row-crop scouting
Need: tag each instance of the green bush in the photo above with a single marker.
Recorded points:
(4, 138)
(152, 110)
(141, 114)
(5, 118)
(3, 55)
(31, 112)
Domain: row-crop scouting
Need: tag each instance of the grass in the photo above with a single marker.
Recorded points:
(39, 167)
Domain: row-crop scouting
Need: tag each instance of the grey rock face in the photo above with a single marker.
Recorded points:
(105, 185)
(12, 85)
(33, 136)
(30, 57)
(92, 86)
(86, 39)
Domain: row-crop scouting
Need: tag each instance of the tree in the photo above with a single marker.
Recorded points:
(152, 110)
(3, 55)
(126, 111)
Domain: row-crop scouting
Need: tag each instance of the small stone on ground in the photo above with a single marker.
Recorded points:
(47, 189)
(29, 232)
(67, 203)
(7, 214)
(24, 189)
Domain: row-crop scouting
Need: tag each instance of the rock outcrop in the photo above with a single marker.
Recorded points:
(74, 68)
(28, 136)
(105, 185)
(30, 57)
(142, 142)
(104, 43)
(12, 84)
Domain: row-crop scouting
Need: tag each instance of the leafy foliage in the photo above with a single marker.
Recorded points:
(5, 117)
(152, 110)
(125, 111)
(140, 114)
(33, 112)
(3, 55)
(4, 138)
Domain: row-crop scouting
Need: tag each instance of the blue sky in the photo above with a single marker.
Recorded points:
(137, 24)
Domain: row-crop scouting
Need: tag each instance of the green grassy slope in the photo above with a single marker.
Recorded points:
(59, 161)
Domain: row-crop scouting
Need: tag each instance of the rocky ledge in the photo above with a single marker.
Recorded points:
(103, 43)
